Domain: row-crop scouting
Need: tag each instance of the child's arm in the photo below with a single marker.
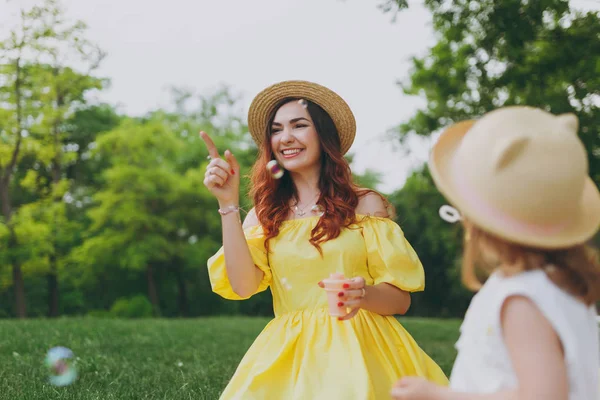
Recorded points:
(535, 350)
(536, 354)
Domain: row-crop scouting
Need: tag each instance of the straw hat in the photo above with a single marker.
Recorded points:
(263, 104)
(520, 173)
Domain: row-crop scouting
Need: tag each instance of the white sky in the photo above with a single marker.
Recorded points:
(349, 46)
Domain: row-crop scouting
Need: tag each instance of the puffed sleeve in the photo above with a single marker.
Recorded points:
(217, 272)
(390, 256)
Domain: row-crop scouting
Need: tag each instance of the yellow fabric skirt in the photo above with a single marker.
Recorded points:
(309, 355)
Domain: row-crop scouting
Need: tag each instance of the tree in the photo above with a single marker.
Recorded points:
(45, 90)
(80, 131)
(499, 53)
(151, 212)
(136, 217)
(437, 244)
(219, 114)
(489, 54)
(20, 113)
(68, 89)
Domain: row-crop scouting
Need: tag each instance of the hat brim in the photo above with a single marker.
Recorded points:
(264, 103)
(582, 227)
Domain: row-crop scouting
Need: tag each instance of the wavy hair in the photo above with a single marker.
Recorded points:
(339, 195)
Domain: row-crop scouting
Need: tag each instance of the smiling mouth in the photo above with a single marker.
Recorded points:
(291, 153)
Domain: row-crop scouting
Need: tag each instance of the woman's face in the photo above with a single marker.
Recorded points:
(294, 139)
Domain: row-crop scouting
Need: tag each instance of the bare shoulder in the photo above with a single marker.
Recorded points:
(518, 308)
(372, 203)
(523, 322)
(250, 220)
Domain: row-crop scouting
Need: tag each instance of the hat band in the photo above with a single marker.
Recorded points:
(500, 218)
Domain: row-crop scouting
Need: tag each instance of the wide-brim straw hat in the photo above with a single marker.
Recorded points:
(265, 102)
(520, 173)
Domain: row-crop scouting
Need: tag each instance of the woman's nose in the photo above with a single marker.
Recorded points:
(286, 135)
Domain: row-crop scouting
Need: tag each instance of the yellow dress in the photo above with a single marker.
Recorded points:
(303, 353)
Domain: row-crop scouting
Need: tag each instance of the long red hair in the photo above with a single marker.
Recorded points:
(339, 195)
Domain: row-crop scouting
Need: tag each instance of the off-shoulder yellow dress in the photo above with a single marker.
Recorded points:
(303, 353)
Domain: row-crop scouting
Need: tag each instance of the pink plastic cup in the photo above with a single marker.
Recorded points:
(333, 285)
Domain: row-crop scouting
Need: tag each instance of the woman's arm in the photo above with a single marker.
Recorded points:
(243, 275)
(386, 299)
(222, 179)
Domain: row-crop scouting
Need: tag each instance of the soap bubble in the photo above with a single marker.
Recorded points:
(318, 209)
(286, 284)
(274, 169)
(61, 366)
(449, 214)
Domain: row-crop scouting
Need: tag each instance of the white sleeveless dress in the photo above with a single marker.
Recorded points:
(483, 364)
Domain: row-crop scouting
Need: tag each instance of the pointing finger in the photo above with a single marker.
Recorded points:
(210, 145)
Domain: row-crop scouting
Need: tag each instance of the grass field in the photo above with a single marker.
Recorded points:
(153, 359)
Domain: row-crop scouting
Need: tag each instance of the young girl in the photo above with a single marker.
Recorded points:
(519, 177)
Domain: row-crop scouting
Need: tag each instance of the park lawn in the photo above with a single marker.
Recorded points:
(154, 358)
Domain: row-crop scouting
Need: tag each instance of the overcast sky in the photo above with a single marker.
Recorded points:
(349, 46)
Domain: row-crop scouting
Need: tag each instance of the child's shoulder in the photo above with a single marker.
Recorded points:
(523, 281)
(558, 306)
(535, 285)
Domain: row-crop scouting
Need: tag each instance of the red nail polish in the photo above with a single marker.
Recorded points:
(339, 318)
(340, 294)
(346, 286)
(340, 304)
(232, 172)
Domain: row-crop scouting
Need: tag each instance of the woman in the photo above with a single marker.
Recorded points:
(312, 222)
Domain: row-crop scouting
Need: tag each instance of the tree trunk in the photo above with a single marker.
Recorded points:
(56, 172)
(20, 308)
(152, 293)
(182, 298)
(5, 178)
(52, 277)
(52, 280)
(19, 288)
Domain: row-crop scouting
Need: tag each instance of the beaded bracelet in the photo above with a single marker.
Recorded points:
(228, 210)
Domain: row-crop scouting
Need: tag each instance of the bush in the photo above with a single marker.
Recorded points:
(134, 307)
(99, 314)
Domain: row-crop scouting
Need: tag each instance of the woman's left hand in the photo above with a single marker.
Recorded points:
(352, 296)
(414, 388)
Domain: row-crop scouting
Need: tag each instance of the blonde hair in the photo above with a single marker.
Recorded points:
(575, 270)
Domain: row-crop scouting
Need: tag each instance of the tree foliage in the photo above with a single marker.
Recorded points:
(490, 54)
(516, 52)
(106, 214)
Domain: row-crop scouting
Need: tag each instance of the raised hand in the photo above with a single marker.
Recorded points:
(222, 177)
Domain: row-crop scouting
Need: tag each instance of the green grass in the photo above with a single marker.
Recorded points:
(153, 359)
